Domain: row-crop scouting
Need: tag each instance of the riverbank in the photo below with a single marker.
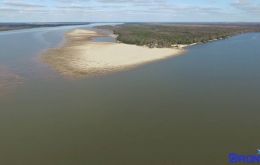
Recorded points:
(80, 56)
(169, 35)
(20, 26)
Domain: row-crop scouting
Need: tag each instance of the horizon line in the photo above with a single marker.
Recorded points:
(133, 22)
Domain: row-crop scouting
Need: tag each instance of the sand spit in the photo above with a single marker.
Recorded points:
(79, 56)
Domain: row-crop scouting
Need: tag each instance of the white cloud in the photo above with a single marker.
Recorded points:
(127, 10)
(247, 6)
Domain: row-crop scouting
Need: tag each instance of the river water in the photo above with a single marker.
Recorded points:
(192, 109)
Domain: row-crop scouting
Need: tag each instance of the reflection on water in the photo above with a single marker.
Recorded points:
(192, 109)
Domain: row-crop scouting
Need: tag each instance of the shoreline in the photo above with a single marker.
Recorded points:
(79, 56)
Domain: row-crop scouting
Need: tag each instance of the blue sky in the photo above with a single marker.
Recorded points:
(130, 10)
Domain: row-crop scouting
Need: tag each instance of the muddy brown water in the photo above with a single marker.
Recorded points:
(192, 109)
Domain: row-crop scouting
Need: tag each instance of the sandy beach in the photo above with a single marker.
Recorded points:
(81, 56)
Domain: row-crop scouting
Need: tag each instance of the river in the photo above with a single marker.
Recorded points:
(191, 109)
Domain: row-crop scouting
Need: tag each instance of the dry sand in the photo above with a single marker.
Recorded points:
(80, 56)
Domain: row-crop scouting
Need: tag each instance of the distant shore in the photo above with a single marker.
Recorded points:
(20, 26)
(80, 56)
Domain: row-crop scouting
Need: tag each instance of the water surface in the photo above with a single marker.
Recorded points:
(104, 39)
(192, 109)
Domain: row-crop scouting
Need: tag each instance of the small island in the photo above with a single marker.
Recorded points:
(135, 44)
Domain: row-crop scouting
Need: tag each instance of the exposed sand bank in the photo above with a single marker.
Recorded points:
(79, 56)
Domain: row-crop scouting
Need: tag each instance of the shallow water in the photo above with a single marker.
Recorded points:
(191, 109)
(104, 39)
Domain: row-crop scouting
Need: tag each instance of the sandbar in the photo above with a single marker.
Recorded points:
(80, 56)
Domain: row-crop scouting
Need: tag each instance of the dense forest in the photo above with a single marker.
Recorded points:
(170, 35)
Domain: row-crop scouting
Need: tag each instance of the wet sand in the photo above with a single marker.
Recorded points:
(80, 56)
